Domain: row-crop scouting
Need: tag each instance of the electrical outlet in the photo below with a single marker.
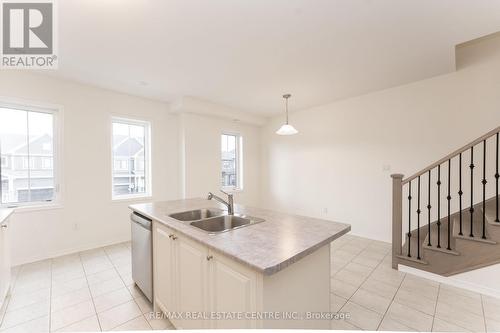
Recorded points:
(325, 211)
(386, 168)
(75, 226)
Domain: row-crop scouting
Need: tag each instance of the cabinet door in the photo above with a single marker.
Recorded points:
(4, 261)
(163, 269)
(191, 277)
(233, 289)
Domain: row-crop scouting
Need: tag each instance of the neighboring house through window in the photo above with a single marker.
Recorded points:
(27, 150)
(131, 158)
(231, 162)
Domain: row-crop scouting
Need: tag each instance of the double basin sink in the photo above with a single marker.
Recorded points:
(213, 220)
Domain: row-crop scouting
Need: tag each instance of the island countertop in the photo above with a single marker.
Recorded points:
(267, 247)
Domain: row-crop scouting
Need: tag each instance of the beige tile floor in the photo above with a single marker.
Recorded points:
(379, 298)
(87, 291)
(94, 291)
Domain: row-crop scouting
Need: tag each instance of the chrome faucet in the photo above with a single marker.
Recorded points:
(229, 203)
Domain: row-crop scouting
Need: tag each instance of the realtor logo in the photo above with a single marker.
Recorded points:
(28, 34)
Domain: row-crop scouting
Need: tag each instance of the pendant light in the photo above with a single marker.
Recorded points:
(287, 129)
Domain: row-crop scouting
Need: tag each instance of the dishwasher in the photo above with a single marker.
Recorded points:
(142, 259)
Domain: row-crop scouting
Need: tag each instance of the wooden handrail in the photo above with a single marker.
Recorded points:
(453, 154)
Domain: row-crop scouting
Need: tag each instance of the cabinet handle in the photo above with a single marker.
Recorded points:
(171, 235)
(210, 257)
(4, 226)
(174, 237)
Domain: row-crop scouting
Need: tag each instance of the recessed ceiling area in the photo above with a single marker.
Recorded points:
(246, 54)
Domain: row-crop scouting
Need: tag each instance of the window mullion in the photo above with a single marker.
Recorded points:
(29, 154)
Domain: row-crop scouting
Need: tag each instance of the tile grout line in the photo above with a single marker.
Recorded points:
(90, 292)
(126, 287)
(359, 287)
(92, 297)
(392, 302)
(484, 314)
(50, 297)
(21, 269)
(435, 307)
(465, 329)
(116, 270)
(128, 290)
(21, 308)
(9, 297)
(348, 299)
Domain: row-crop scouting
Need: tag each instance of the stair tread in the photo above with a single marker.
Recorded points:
(442, 249)
(477, 239)
(420, 261)
(477, 228)
(444, 237)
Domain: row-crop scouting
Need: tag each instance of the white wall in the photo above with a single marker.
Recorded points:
(185, 162)
(88, 217)
(201, 142)
(338, 161)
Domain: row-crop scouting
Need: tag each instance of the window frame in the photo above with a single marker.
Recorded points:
(239, 162)
(147, 157)
(57, 112)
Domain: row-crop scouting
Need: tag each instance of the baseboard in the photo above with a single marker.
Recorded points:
(450, 280)
(28, 260)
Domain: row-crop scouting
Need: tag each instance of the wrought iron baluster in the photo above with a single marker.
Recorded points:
(439, 207)
(497, 175)
(471, 209)
(429, 211)
(484, 182)
(460, 192)
(418, 220)
(449, 205)
(409, 219)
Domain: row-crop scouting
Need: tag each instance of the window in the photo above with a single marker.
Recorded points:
(131, 158)
(27, 150)
(231, 156)
(46, 163)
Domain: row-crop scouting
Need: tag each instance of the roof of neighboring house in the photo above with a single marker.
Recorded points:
(228, 155)
(16, 144)
(128, 147)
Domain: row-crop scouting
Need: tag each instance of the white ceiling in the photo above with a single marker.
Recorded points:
(247, 53)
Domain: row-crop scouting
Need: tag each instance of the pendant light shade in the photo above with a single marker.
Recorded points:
(287, 129)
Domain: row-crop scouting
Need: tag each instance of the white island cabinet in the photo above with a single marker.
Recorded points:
(273, 274)
(5, 263)
(193, 281)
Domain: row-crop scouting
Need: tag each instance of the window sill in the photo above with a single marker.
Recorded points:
(232, 190)
(35, 208)
(131, 198)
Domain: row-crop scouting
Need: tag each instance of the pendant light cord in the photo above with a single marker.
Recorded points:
(286, 97)
(286, 110)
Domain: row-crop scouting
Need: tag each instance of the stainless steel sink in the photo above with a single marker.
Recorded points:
(214, 220)
(198, 214)
(225, 223)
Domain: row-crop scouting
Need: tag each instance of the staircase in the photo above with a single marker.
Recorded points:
(446, 217)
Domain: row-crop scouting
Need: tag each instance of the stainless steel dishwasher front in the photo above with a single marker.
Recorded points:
(142, 259)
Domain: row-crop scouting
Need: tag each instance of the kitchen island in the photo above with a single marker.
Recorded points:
(273, 274)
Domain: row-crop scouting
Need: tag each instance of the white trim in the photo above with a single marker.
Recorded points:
(35, 207)
(147, 124)
(450, 280)
(72, 250)
(191, 105)
(132, 197)
(57, 112)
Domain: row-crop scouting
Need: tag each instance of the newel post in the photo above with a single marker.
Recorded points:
(397, 217)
